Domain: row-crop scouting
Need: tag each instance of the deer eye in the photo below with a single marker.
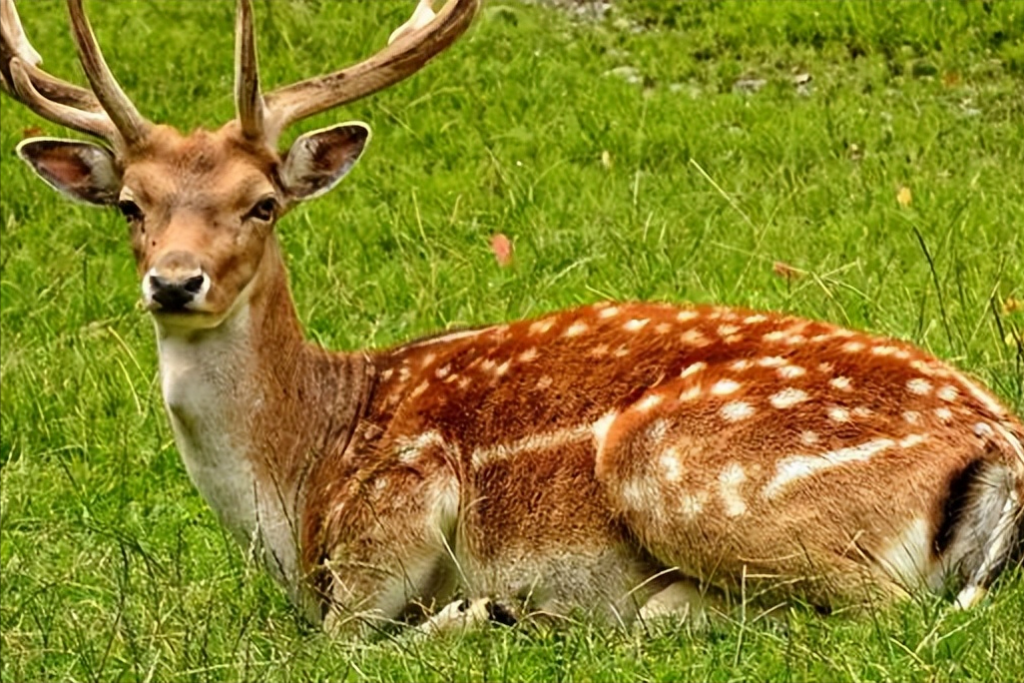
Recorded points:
(130, 210)
(264, 210)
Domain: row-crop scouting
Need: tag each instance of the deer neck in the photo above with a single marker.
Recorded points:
(252, 407)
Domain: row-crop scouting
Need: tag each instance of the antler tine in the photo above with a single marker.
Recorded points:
(125, 117)
(14, 43)
(248, 100)
(93, 123)
(405, 55)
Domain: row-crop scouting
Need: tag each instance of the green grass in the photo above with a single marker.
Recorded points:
(675, 188)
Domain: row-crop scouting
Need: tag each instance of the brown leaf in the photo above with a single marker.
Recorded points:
(31, 132)
(784, 270)
(1011, 305)
(904, 197)
(501, 247)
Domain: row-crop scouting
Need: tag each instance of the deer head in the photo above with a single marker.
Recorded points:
(202, 207)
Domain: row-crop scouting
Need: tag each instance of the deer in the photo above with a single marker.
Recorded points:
(626, 460)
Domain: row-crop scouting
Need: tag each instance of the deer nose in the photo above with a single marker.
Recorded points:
(174, 293)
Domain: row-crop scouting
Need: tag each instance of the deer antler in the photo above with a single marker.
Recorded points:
(409, 48)
(105, 111)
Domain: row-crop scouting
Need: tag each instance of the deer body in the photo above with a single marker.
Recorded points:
(625, 459)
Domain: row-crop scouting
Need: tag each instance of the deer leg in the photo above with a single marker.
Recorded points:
(393, 558)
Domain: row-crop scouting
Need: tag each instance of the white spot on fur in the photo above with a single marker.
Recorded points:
(754, 319)
(599, 351)
(983, 430)
(741, 365)
(883, 350)
(787, 398)
(503, 368)
(693, 369)
(693, 337)
(948, 393)
(729, 482)
(862, 412)
(669, 461)
(772, 362)
(838, 414)
(686, 316)
(443, 371)
(724, 387)
(386, 375)
(919, 386)
(690, 394)
(853, 347)
(735, 411)
(727, 330)
(791, 371)
(797, 467)
(601, 427)
(663, 328)
(576, 329)
(648, 402)
(544, 382)
(809, 438)
(826, 368)
(622, 351)
(657, 431)
(944, 414)
(428, 359)
(609, 312)
(795, 339)
(692, 504)
(541, 326)
(420, 389)
(912, 417)
(528, 356)
(912, 440)
(635, 325)
(840, 383)
(775, 336)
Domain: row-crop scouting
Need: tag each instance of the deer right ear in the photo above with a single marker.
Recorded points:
(317, 161)
(80, 170)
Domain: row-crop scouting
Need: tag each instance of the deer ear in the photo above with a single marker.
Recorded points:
(80, 170)
(317, 161)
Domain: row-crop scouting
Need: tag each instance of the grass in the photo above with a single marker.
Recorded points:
(681, 186)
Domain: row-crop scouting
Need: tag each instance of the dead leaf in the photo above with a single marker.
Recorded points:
(501, 247)
(31, 132)
(1011, 305)
(904, 197)
(784, 270)
(950, 79)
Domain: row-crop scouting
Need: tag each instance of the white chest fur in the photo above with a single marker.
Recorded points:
(211, 399)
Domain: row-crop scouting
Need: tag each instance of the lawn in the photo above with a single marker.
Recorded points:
(857, 162)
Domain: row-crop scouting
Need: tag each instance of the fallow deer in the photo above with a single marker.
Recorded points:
(621, 458)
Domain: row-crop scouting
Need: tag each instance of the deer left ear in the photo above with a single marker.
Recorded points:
(317, 161)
